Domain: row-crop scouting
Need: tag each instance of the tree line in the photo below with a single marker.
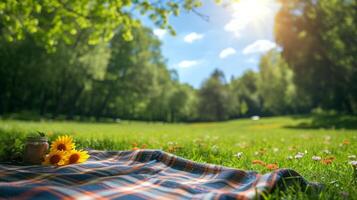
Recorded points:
(129, 79)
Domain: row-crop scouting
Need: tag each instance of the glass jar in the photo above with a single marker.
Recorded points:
(35, 150)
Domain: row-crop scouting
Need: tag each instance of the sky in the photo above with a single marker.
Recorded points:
(232, 40)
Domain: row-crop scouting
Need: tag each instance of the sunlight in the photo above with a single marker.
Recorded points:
(252, 10)
(253, 13)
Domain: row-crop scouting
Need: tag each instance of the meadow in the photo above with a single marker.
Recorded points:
(288, 142)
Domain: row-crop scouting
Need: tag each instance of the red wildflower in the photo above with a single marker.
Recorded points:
(326, 161)
(272, 166)
(258, 162)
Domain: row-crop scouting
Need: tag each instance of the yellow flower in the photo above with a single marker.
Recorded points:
(75, 156)
(55, 158)
(63, 143)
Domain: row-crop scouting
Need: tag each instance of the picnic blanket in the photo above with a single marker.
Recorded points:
(140, 174)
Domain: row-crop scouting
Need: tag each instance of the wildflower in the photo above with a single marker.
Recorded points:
(316, 158)
(55, 158)
(272, 166)
(63, 143)
(143, 146)
(239, 155)
(326, 161)
(289, 158)
(135, 148)
(331, 158)
(299, 155)
(275, 150)
(75, 156)
(346, 142)
(258, 162)
(326, 151)
(353, 163)
(352, 157)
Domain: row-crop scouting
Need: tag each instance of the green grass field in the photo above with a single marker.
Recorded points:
(271, 140)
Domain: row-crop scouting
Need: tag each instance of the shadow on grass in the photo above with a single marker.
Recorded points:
(327, 121)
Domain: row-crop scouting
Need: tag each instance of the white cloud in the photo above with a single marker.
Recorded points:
(259, 46)
(160, 33)
(189, 38)
(188, 63)
(236, 26)
(227, 52)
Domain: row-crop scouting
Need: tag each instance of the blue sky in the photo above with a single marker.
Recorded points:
(233, 39)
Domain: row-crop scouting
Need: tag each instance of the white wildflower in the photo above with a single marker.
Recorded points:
(353, 163)
(352, 157)
(289, 158)
(239, 155)
(299, 155)
(326, 151)
(316, 158)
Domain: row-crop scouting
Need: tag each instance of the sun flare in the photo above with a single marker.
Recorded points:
(252, 9)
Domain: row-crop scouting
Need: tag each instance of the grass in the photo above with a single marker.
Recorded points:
(271, 140)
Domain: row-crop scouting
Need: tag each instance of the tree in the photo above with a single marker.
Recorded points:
(246, 95)
(36, 81)
(319, 43)
(276, 87)
(213, 97)
(182, 103)
(53, 21)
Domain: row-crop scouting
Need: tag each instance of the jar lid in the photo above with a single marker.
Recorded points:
(36, 139)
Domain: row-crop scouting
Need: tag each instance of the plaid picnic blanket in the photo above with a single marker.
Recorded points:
(140, 174)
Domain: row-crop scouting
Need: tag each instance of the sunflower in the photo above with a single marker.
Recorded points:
(75, 156)
(55, 158)
(63, 143)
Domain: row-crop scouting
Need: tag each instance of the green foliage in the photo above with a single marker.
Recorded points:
(271, 140)
(129, 79)
(319, 43)
(276, 87)
(245, 94)
(52, 22)
(214, 97)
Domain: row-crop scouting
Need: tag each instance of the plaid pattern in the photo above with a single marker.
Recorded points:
(141, 174)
